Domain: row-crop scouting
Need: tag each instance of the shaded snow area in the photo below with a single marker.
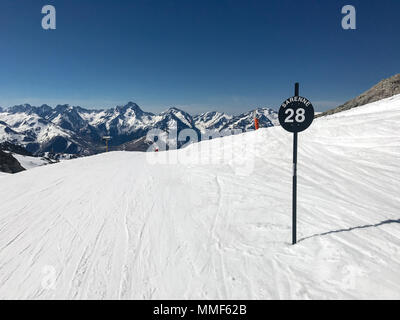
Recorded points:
(213, 220)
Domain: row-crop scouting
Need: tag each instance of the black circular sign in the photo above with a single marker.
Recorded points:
(296, 114)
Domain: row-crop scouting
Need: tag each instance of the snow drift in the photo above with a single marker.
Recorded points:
(119, 226)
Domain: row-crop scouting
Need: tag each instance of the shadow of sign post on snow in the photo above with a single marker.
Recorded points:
(390, 221)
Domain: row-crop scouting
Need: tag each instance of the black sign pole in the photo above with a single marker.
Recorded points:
(295, 115)
(294, 191)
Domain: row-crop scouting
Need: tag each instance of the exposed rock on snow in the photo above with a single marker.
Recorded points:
(384, 89)
(9, 164)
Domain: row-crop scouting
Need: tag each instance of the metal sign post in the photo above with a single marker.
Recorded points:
(294, 187)
(295, 115)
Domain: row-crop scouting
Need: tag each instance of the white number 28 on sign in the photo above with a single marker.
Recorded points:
(299, 117)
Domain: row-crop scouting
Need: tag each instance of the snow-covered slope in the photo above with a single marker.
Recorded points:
(119, 225)
(10, 135)
(38, 129)
(28, 162)
(212, 120)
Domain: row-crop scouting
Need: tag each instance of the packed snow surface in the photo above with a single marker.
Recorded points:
(121, 225)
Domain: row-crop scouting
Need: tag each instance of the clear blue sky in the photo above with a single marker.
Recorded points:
(199, 55)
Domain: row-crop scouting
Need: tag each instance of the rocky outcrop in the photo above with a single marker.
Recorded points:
(8, 146)
(9, 164)
(384, 89)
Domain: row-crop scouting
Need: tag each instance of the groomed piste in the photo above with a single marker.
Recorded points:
(206, 225)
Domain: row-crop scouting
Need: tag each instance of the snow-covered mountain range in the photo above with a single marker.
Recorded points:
(75, 130)
(119, 226)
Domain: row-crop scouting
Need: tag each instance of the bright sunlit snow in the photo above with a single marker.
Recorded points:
(117, 226)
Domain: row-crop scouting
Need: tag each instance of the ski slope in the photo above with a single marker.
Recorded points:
(118, 226)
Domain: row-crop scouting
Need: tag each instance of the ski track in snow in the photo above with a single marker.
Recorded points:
(115, 226)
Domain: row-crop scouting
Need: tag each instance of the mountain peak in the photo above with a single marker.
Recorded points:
(130, 105)
(20, 108)
(62, 107)
(209, 113)
(174, 110)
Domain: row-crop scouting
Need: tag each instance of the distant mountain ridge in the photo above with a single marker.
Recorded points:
(76, 130)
